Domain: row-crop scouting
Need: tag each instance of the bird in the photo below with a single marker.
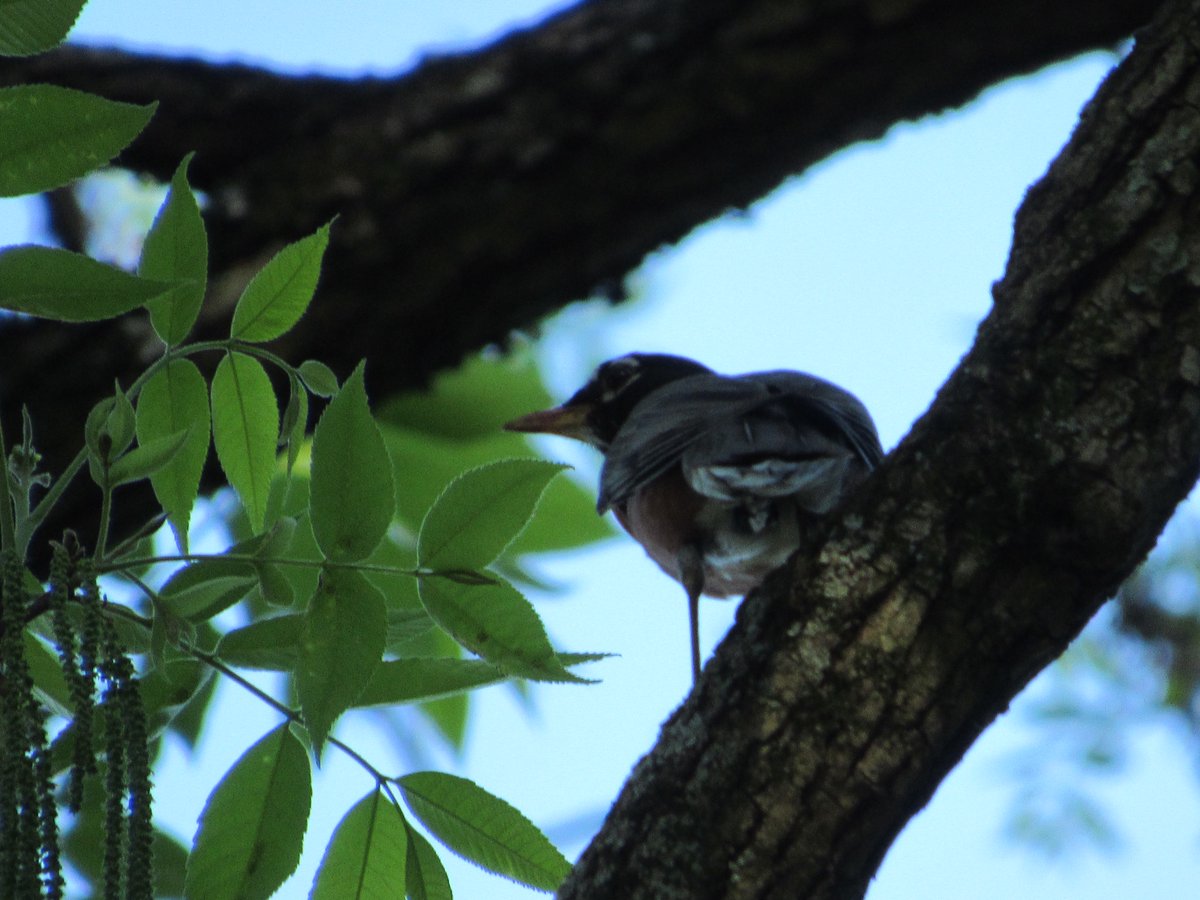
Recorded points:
(716, 476)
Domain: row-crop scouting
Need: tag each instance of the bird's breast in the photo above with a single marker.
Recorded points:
(741, 541)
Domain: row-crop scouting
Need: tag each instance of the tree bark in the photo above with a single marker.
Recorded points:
(478, 193)
(1042, 475)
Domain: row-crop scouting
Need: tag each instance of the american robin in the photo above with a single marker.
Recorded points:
(715, 476)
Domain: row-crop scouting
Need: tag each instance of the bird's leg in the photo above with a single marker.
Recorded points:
(691, 575)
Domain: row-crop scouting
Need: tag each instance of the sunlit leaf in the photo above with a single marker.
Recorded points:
(473, 400)
(319, 378)
(425, 464)
(481, 512)
(425, 874)
(366, 856)
(278, 295)
(497, 623)
(51, 135)
(245, 422)
(201, 599)
(425, 678)
(352, 494)
(69, 287)
(176, 249)
(340, 647)
(295, 422)
(252, 827)
(484, 829)
(147, 458)
(174, 399)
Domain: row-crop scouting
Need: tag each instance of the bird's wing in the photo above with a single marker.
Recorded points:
(768, 434)
(826, 404)
(663, 425)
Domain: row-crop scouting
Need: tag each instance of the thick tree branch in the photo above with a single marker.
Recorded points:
(480, 192)
(1041, 476)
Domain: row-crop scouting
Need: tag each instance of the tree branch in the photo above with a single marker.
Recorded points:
(480, 192)
(1041, 476)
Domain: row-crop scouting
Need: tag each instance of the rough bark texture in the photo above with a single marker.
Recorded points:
(1042, 474)
(481, 192)
(478, 193)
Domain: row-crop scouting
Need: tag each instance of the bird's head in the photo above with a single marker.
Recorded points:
(595, 413)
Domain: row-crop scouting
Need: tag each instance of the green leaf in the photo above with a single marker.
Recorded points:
(474, 400)
(176, 249)
(425, 875)
(272, 644)
(406, 624)
(28, 27)
(176, 398)
(111, 419)
(252, 827)
(47, 673)
(425, 464)
(278, 295)
(566, 518)
(69, 287)
(197, 599)
(295, 421)
(146, 459)
(352, 498)
(425, 678)
(340, 647)
(245, 422)
(319, 378)
(481, 512)
(170, 865)
(274, 585)
(484, 829)
(497, 623)
(449, 716)
(366, 855)
(52, 135)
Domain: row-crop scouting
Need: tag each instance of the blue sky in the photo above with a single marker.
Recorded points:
(871, 270)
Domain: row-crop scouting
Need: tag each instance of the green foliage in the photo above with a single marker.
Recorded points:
(59, 284)
(484, 829)
(252, 828)
(425, 678)
(481, 513)
(266, 644)
(277, 296)
(52, 135)
(496, 622)
(318, 378)
(245, 426)
(352, 499)
(176, 250)
(434, 436)
(367, 854)
(361, 595)
(340, 646)
(174, 400)
(35, 26)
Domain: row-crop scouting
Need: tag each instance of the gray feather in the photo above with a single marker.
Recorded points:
(769, 434)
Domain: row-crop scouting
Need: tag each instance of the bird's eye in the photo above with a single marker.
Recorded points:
(615, 375)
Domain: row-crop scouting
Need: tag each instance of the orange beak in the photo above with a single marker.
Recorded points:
(568, 421)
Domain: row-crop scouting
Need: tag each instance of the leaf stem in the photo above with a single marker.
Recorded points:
(219, 665)
(118, 565)
(105, 516)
